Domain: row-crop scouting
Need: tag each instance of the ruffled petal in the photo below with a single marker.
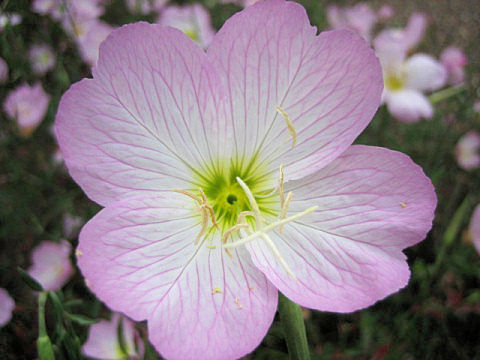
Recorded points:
(347, 255)
(139, 257)
(408, 105)
(141, 124)
(329, 86)
(424, 73)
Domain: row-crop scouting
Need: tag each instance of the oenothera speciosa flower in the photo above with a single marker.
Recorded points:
(229, 174)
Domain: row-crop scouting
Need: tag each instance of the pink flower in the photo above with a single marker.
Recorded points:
(94, 33)
(474, 228)
(71, 224)
(454, 61)
(468, 151)
(11, 19)
(6, 307)
(406, 81)
(3, 70)
(193, 20)
(406, 39)
(103, 343)
(202, 263)
(42, 58)
(51, 265)
(145, 6)
(385, 12)
(359, 18)
(476, 106)
(28, 106)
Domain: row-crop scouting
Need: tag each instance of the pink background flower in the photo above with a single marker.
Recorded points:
(468, 151)
(474, 228)
(51, 265)
(6, 307)
(103, 343)
(27, 105)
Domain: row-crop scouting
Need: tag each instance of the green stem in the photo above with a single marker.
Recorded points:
(446, 93)
(44, 345)
(294, 329)
(450, 234)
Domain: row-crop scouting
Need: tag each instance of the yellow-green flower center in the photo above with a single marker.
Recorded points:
(225, 195)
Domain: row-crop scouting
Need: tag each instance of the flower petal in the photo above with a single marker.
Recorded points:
(329, 85)
(408, 105)
(140, 124)
(474, 228)
(424, 73)
(138, 256)
(7, 304)
(373, 203)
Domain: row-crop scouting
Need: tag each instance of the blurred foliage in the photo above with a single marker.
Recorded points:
(437, 316)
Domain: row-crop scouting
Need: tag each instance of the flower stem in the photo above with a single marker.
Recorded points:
(294, 329)
(446, 93)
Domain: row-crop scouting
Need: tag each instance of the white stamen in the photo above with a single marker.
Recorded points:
(270, 227)
(262, 231)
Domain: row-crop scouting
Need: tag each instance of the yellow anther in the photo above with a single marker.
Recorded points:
(211, 247)
(250, 288)
(87, 282)
(239, 306)
(283, 213)
(229, 253)
(291, 128)
(402, 204)
(216, 290)
(78, 252)
(204, 208)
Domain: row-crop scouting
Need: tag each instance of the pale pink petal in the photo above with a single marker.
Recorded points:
(141, 124)
(103, 343)
(27, 105)
(454, 60)
(193, 20)
(424, 73)
(405, 39)
(468, 151)
(408, 105)
(51, 265)
(6, 307)
(3, 70)
(414, 31)
(138, 256)
(474, 228)
(347, 255)
(42, 58)
(329, 85)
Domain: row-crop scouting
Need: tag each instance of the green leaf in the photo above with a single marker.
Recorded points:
(57, 306)
(80, 319)
(31, 282)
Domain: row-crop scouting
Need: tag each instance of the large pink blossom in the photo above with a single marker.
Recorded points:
(51, 265)
(28, 106)
(6, 307)
(202, 264)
